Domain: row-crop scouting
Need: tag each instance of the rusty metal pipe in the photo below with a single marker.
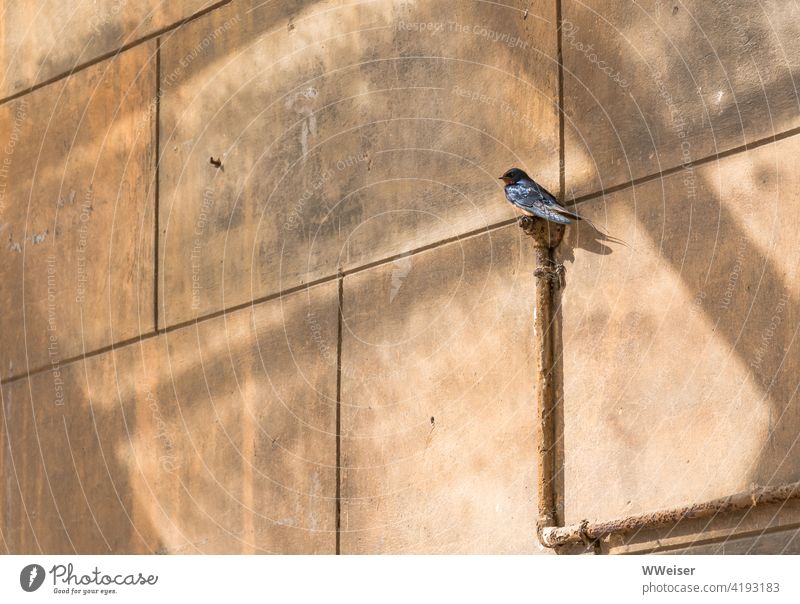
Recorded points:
(546, 237)
(554, 536)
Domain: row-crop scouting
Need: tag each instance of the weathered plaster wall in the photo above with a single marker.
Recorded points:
(43, 41)
(206, 385)
(189, 351)
(679, 349)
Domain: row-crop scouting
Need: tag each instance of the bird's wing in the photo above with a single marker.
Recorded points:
(569, 213)
(534, 198)
(551, 202)
(538, 201)
(547, 195)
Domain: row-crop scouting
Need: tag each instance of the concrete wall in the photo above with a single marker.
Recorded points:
(323, 343)
(680, 360)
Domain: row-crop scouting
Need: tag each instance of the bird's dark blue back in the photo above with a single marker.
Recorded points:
(530, 196)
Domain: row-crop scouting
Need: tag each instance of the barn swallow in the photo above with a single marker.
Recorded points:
(533, 199)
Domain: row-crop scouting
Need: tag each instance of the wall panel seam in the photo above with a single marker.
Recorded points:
(433, 245)
(112, 53)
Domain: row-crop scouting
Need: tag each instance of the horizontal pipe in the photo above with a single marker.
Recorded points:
(587, 532)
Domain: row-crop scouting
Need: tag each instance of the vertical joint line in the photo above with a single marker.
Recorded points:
(340, 320)
(156, 183)
(562, 168)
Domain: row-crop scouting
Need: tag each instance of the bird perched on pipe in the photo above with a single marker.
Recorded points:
(533, 199)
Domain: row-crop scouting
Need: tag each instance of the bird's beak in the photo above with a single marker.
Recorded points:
(500, 177)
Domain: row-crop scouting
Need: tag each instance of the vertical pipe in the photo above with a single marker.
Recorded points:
(546, 237)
